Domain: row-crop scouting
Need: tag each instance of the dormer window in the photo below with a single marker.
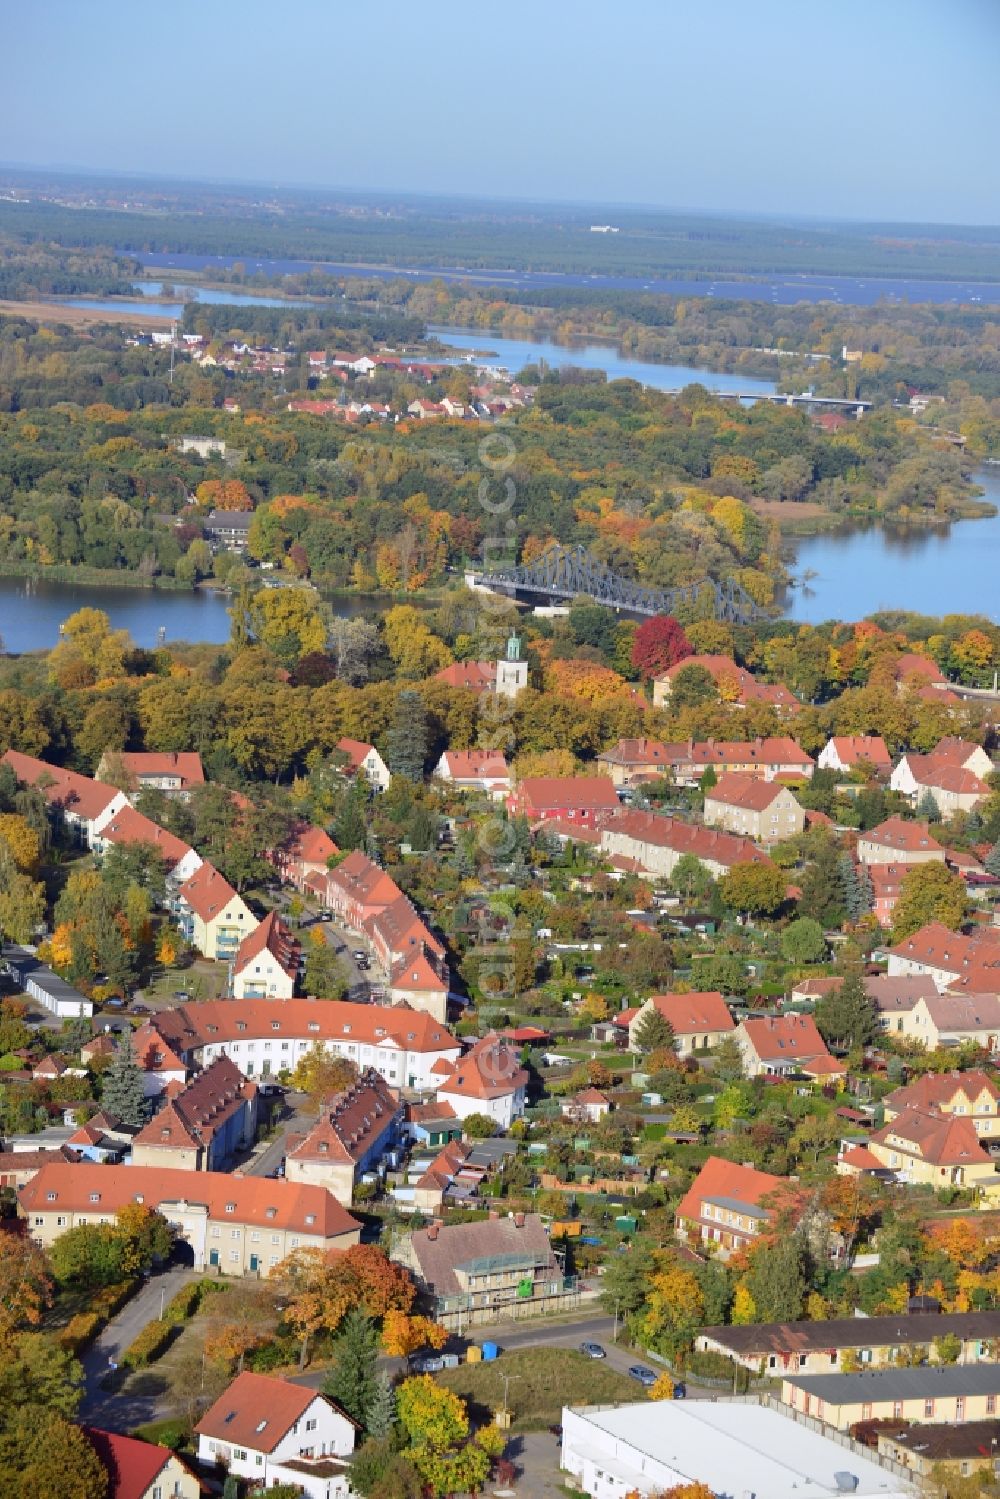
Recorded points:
(241, 1025)
(275, 1025)
(310, 1217)
(271, 1213)
(314, 1025)
(230, 1207)
(347, 1030)
(50, 1196)
(95, 1196)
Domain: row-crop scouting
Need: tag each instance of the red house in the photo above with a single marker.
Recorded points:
(586, 799)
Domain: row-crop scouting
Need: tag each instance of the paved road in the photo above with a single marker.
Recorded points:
(124, 1410)
(294, 1121)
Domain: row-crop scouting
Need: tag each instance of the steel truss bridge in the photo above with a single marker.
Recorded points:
(569, 573)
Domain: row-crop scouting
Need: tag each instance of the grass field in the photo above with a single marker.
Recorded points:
(541, 1382)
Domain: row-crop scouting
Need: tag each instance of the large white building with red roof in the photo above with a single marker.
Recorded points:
(847, 752)
(474, 770)
(274, 1432)
(488, 1079)
(211, 915)
(265, 1037)
(953, 785)
(84, 805)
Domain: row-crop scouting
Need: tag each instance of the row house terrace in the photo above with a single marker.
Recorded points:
(202, 1125)
(771, 759)
(819, 1347)
(950, 958)
(655, 843)
(306, 851)
(268, 1036)
(354, 1133)
(84, 806)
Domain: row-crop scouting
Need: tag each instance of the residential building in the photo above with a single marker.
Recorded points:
(730, 1205)
(273, 1432)
(954, 1393)
(357, 889)
(428, 1193)
(589, 1106)
(352, 1136)
(587, 799)
(963, 753)
(847, 752)
(229, 529)
(632, 761)
(949, 1019)
(895, 997)
(173, 772)
(886, 887)
(239, 1225)
(366, 759)
(142, 1470)
(765, 811)
(17, 1167)
(774, 1348)
(924, 1147)
(474, 770)
(473, 676)
(161, 1067)
(132, 829)
(734, 683)
(40, 983)
(948, 957)
(897, 841)
(953, 787)
(433, 1124)
(943, 1450)
(83, 805)
(488, 1079)
(267, 962)
(654, 844)
(411, 956)
(970, 1095)
(306, 851)
(698, 1021)
(212, 917)
(204, 1125)
(483, 1272)
(742, 1448)
(265, 1037)
(776, 758)
(922, 677)
(775, 1046)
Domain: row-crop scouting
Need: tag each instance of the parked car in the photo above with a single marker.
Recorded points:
(180, 994)
(680, 1390)
(427, 1363)
(326, 915)
(641, 1372)
(592, 1350)
(140, 1009)
(114, 1004)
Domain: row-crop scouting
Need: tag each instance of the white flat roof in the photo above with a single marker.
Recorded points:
(739, 1449)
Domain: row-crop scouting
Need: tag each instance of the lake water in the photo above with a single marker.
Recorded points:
(784, 291)
(952, 569)
(170, 310)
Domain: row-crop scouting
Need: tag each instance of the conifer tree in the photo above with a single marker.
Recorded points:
(653, 1031)
(352, 1381)
(382, 1407)
(992, 860)
(121, 1090)
(406, 741)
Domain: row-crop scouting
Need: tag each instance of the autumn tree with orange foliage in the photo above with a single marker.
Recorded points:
(588, 681)
(224, 494)
(403, 1335)
(322, 1286)
(25, 1283)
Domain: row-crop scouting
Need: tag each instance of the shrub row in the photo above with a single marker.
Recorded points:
(151, 1342)
(81, 1329)
(188, 1300)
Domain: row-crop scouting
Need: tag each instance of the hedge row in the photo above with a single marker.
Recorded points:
(188, 1299)
(151, 1342)
(81, 1329)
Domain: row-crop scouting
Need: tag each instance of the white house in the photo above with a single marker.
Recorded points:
(474, 770)
(266, 962)
(366, 758)
(488, 1079)
(274, 1432)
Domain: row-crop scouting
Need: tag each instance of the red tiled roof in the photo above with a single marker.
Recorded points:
(273, 936)
(852, 748)
(941, 1140)
(152, 1053)
(734, 789)
(911, 667)
(256, 1199)
(257, 1411)
(744, 1184)
(355, 750)
(630, 752)
(780, 750)
(941, 774)
(132, 1465)
(749, 690)
(686, 838)
(692, 1013)
(308, 844)
(472, 765)
(207, 892)
(791, 1038)
(539, 794)
(184, 764)
(907, 837)
(214, 1021)
(937, 946)
(490, 1069)
(131, 827)
(934, 1090)
(477, 676)
(77, 794)
(197, 1110)
(351, 1123)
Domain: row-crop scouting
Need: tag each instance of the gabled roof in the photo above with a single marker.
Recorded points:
(416, 973)
(691, 1013)
(937, 946)
(477, 676)
(439, 1252)
(853, 748)
(207, 892)
(257, 1411)
(954, 750)
(935, 1090)
(910, 666)
(355, 750)
(131, 827)
(363, 881)
(308, 844)
(780, 750)
(790, 1038)
(132, 1465)
(896, 995)
(215, 1021)
(152, 1052)
(739, 790)
(724, 669)
(964, 1012)
(194, 1113)
(475, 765)
(685, 838)
(400, 928)
(273, 936)
(582, 793)
(941, 1140)
(942, 774)
(746, 1185)
(79, 795)
(490, 1069)
(255, 1199)
(636, 752)
(184, 764)
(903, 836)
(351, 1123)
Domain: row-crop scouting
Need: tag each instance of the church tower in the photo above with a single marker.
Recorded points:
(512, 670)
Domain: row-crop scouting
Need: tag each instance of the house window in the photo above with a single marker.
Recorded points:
(234, 1254)
(866, 1411)
(311, 1425)
(991, 1405)
(928, 1408)
(255, 1237)
(230, 1207)
(897, 1409)
(959, 1407)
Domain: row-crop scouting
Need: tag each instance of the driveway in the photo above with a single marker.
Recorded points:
(293, 1121)
(536, 1457)
(121, 1409)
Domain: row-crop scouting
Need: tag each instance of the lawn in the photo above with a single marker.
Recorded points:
(541, 1382)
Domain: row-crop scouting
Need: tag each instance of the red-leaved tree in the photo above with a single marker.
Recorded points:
(659, 643)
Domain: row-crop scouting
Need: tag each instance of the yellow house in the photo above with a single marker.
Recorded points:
(949, 1019)
(213, 918)
(925, 1147)
(938, 1393)
(142, 1470)
(969, 1095)
(763, 810)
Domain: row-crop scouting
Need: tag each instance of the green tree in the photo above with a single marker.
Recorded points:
(350, 829)
(846, 1017)
(992, 860)
(927, 808)
(856, 888)
(381, 1417)
(691, 687)
(380, 1471)
(324, 975)
(822, 886)
(929, 892)
(756, 889)
(626, 1281)
(406, 741)
(727, 1063)
(121, 1086)
(802, 941)
(352, 1380)
(776, 1278)
(690, 878)
(42, 1454)
(653, 1031)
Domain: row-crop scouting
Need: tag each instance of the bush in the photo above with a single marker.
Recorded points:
(110, 1299)
(183, 1305)
(151, 1342)
(276, 1354)
(173, 1433)
(80, 1331)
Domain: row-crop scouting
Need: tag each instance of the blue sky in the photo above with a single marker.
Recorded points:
(856, 109)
